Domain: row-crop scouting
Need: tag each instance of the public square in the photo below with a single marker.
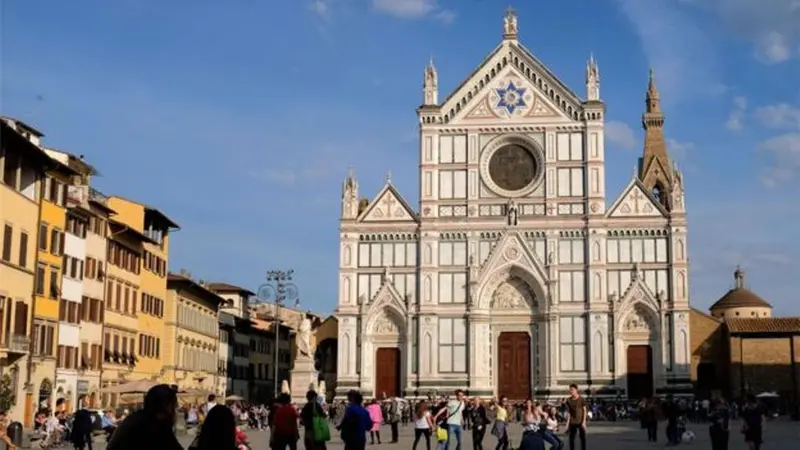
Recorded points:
(602, 435)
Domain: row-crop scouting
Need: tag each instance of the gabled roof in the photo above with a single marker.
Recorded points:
(388, 206)
(635, 201)
(526, 65)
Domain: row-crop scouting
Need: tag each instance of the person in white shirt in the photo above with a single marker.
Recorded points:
(212, 402)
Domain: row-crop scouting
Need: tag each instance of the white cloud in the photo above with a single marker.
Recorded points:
(620, 134)
(678, 49)
(782, 150)
(413, 9)
(320, 8)
(784, 153)
(781, 115)
(736, 116)
(771, 27)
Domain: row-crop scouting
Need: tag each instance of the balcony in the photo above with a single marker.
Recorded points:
(16, 343)
(78, 196)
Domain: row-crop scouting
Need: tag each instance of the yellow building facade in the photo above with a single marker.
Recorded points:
(51, 240)
(191, 336)
(22, 170)
(120, 322)
(155, 227)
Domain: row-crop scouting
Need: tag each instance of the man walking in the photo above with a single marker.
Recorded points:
(577, 409)
(454, 415)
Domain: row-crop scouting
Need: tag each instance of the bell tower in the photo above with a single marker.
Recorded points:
(655, 166)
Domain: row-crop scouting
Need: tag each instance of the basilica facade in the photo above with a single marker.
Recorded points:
(516, 275)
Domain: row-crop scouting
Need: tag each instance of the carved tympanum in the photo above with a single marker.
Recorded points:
(385, 325)
(639, 321)
(510, 294)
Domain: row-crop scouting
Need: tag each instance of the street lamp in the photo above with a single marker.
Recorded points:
(278, 289)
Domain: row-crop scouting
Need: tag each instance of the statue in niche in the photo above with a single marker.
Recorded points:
(551, 257)
(508, 296)
(511, 212)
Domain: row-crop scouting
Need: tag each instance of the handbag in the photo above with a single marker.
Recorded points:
(441, 434)
(319, 426)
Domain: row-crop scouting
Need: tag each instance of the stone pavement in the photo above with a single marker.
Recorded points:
(779, 435)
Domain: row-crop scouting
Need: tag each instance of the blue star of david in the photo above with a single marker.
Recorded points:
(511, 97)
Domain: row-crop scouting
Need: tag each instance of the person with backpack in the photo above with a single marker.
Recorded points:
(315, 423)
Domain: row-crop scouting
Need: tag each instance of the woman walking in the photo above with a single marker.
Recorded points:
(376, 414)
(423, 424)
(753, 427)
(719, 416)
(500, 427)
(479, 420)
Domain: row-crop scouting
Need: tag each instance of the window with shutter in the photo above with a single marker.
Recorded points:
(21, 319)
(55, 285)
(43, 237)
(23, 249)
(8, 235)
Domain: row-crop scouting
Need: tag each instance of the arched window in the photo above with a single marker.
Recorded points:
(659, 194)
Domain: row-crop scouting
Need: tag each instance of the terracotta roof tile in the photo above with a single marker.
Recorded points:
(740, 298)
(764, 325)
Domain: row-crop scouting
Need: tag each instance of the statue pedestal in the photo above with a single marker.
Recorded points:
(303, 378)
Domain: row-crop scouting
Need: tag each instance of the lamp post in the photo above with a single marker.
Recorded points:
(278, 289)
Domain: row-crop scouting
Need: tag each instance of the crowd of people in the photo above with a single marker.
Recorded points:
(438, 422)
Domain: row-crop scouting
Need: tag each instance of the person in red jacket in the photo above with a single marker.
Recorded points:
(285, 432)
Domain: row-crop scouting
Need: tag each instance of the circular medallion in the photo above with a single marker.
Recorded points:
(511, 166)
(512, 253)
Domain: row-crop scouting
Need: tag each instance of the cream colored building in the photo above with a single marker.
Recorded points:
(191, 352)
(234, 337)
(519, 274)
(94, 297)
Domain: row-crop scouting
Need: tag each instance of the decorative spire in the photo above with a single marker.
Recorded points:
(738, 278)
(510, 25)
(350, 209)
(653, 99)
(389, 177)
(592, 80)
(430, 85)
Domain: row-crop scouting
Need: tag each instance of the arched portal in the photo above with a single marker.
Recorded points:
(504, 349)
(641, 350)
(385, 341)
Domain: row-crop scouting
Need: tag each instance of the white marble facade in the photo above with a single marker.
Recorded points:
(496, 248)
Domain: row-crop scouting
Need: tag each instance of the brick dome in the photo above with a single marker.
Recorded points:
(739, 296)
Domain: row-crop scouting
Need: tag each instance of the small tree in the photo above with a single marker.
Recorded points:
(7, 398)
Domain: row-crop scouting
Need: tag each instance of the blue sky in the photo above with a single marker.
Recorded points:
(240, 118)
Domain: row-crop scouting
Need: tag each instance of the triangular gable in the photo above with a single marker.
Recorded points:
(508, 59)
(389, 206)
(510, 96)
(637, 292)
(387, 297)
(512, 250)
(635, 201)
